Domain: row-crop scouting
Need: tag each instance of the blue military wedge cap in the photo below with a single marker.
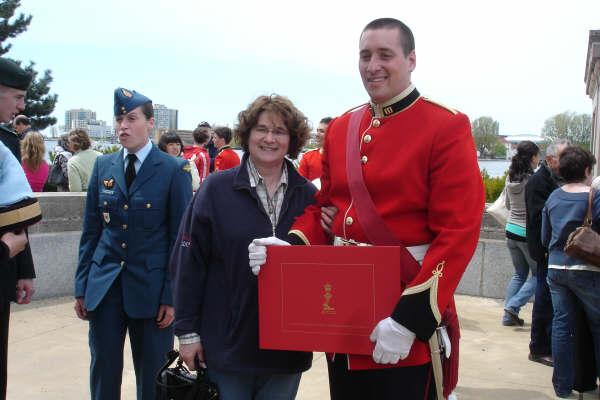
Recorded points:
(127, 100)
(13, 76)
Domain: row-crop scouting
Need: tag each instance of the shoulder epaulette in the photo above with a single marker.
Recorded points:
(452, 110)
(354, 108)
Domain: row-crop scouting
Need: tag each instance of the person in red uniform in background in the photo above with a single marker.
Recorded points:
(310, 164)
(226, 158)
(418, 164)
(197, 152)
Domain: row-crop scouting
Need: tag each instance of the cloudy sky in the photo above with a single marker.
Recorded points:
(519, 62)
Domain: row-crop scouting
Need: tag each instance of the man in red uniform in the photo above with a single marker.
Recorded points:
(310, 164)
(197, 152)
(226, 158)
(417, 161)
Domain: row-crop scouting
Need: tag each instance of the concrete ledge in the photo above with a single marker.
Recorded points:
(55, 244)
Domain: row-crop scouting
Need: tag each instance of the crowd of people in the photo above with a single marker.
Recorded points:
(546, 202)
(157, 261)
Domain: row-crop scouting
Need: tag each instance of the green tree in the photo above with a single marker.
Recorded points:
(571, 126)
(39, 104)
(10, 29)
(485, 133)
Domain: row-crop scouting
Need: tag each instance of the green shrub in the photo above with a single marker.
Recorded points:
(493, 186)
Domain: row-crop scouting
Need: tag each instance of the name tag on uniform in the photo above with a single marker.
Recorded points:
(111, 192)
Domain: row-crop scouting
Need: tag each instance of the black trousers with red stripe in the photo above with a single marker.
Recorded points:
(406, 383)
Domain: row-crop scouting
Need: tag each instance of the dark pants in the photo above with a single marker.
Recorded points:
(149, 344)
(407, 383)
(4, 319)
(541, 317)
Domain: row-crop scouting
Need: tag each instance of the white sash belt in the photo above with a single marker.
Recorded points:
(418, 252)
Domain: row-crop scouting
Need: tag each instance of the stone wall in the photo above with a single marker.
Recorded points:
(55, 243)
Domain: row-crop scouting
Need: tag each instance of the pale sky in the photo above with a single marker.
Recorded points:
(519, 62)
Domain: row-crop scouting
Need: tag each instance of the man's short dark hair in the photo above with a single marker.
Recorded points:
(407, 40)
(22, 120)
(574, 162)
(204, 124)
(224, 133)
(169, 137)
(201, 135)
(325, 120)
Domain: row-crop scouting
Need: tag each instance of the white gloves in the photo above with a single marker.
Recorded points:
(393, 341)
(257, 251)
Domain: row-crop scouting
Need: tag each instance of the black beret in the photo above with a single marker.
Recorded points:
(13, 76)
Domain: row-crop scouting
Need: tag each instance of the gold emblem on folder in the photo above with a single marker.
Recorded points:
(327, 295)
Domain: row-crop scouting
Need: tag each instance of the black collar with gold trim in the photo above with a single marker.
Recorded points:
(397, 105)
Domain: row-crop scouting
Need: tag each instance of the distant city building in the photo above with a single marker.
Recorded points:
(81, 118)
(99, 129)
(78, 114)
(164, 118)
(592, 84)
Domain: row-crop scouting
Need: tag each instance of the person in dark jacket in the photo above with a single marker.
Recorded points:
(16, 270)
(539, 186)
(214, 292)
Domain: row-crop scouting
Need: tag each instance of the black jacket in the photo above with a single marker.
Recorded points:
(214, 291)
(21, 266)
(538, 189)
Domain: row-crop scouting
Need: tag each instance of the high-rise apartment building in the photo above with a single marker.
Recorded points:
(164, 118)
(86, 119)
(78, 114)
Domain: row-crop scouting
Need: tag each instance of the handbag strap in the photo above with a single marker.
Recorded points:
(373, 225)
(588, 215)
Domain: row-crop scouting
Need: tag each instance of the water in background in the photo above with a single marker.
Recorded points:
(494, 168)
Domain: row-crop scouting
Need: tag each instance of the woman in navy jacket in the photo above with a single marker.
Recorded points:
(215, 293)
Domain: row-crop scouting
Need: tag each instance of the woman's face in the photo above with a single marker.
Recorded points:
(174, 149)
(269, 140)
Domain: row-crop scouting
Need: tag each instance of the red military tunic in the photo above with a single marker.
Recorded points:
(310, 165)
(420, 167)
(226, 158)
(200, 157)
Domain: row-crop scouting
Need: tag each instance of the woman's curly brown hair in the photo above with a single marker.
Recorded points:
(295, 122)
(79, 140)
(33, 150)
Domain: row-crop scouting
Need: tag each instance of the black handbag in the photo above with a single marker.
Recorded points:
(178, 383)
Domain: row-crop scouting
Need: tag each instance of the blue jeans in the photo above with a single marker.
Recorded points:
(520, 289)
(243, 386)
(568, 288)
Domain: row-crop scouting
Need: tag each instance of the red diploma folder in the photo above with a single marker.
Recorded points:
(326, 298)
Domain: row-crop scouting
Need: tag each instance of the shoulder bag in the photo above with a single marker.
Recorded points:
(584, 242)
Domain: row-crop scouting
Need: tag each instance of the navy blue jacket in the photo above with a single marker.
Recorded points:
(214, 291)
(131, 232)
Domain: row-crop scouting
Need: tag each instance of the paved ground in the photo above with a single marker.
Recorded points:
(49, 356)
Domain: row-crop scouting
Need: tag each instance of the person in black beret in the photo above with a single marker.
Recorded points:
(16, 263)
